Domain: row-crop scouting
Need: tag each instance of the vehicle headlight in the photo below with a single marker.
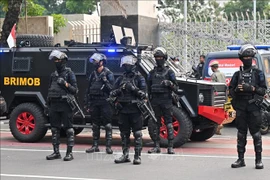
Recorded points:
(201, 98)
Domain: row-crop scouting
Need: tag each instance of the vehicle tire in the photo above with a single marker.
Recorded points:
(204, 134)
(36, 40)
(182, 128)
(27, 123)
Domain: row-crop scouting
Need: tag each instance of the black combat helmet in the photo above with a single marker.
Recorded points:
(56, 54)
(160, 52)
(129, 63)
(247, 50)
(98, 57)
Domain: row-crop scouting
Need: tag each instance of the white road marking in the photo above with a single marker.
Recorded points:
(145, 154)
(48, 177)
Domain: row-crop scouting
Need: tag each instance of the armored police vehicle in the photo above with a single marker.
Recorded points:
(24, 80)
(229, 63)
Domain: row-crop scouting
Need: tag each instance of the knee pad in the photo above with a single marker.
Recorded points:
(257, 136)
(108, 126)
(241, 135)
(70, 132)
(137, 134)
(54, 130)
(96, 127)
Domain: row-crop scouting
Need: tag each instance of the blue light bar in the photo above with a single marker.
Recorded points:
(258, 47)
(1, 50)
(111, 50)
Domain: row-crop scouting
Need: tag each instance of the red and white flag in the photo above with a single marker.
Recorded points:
(11, 40)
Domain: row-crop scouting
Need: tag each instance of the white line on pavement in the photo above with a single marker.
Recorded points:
(146, 154)
(47, 177)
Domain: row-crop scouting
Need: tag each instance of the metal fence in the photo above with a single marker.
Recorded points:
(86, 30)
(200, 36)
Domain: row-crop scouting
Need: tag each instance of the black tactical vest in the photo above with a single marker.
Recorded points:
(157, 78)
(55, 90)
(97, 85)
(247, 77)
(128, 96)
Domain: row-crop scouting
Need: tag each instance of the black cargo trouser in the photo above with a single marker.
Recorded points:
(60, 112)
(245, 120)
(101, 113)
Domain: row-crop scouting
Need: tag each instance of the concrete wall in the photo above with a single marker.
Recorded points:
(36, 25)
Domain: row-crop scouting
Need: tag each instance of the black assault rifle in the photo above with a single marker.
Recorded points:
(261, 102)
(146, 109)
(71, 100)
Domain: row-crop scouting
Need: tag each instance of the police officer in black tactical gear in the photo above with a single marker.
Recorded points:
(129, 88)
(244, 85)
(162, 82)
(62, 82)
(101, 81)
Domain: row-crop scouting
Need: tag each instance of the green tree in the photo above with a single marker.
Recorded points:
(58, 22)
(174, 9)
(12, 16)
(67, 6)
(243, 6)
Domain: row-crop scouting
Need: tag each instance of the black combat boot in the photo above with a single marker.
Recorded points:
(70, 144)
(55, 141)
(55, 155)
(257, 141)
(108, 129)
(156, 148)
(138, 147)
(96, 136)
(125, 146)
(170, 139)
(170, 147)
(69, 155)
(241, 149)
(240, 162)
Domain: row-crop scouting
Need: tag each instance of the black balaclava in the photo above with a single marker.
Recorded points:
(129, 68)
(160, 62)
(247, 62)
(60, 66)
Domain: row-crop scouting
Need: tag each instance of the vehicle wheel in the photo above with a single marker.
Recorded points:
(182, 128)
(36, 40)
(204, 134)
(27, 123)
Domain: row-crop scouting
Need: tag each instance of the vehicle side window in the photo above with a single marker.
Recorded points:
(266, 62)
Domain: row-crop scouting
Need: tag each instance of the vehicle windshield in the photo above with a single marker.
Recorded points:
(226, 65)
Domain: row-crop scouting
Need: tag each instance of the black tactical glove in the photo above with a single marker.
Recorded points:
(141, 95)
(247, 88)
(129, 86)
(115, 93)
(167, 83)
(239, 88)
(61, 81)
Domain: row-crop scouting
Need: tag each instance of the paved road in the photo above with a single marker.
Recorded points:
(195, 160)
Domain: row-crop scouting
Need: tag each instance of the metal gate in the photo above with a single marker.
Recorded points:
(200, 36)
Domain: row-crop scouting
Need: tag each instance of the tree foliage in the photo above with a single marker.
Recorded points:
(243, 6)
(58, 22)
(174, 9)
